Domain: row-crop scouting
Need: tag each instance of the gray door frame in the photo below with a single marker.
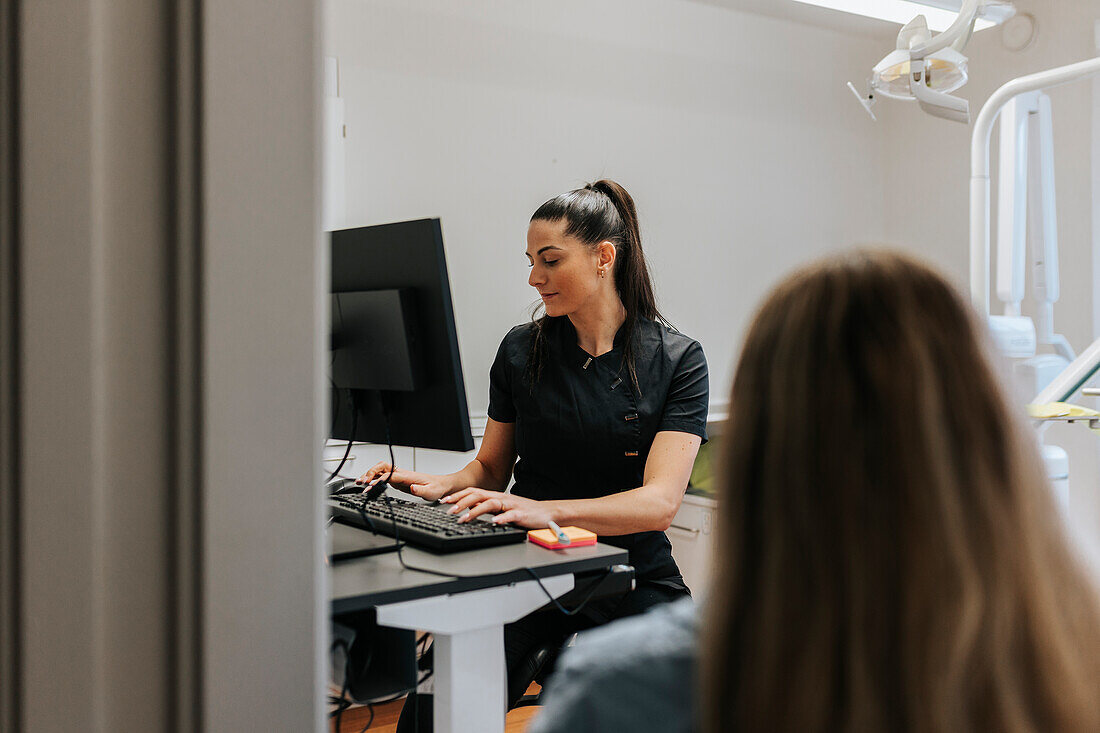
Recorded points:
(161, 336)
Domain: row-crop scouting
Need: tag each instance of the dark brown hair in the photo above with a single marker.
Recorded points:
(891, 558)
(603, 212)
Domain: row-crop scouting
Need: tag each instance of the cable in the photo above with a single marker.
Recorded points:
(401, 694)
(415, 694)
(389, 439)
(343, 460)
(336, 411)
(581, 605)
(351, 438)
(386, 700)
(344, 704)
(370, 721)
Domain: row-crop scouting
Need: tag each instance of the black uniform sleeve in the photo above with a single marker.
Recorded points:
(502, 407)
(685, 408)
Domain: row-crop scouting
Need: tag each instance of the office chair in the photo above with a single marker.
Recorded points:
(538, 666)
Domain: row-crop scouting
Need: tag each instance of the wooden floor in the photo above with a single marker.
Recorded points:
(385, 718)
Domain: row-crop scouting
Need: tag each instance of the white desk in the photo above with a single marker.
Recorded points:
(466, 615)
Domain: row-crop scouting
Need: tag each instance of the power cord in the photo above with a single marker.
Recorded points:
(385, 700)
(370, 720)
(351, 437)
(336, 408)
(343, 703)
(580, 606)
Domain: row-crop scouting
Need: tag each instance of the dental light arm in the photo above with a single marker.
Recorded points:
(1027, 218)
(979, 167)
(957, 31)
(1012, 195)
(1043, 234)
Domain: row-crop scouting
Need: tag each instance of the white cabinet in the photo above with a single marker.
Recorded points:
(692, 537)
(693, 530)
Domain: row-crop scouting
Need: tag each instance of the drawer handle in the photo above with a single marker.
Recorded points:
(339, 458)
(682, 528)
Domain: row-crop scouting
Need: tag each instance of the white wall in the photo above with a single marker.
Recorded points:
(742, 158)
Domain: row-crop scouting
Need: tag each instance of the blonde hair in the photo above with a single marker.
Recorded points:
(891, 556)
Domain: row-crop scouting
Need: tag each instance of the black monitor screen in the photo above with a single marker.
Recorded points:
(394, 340)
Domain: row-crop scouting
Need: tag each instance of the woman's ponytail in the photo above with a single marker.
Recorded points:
(632, 273)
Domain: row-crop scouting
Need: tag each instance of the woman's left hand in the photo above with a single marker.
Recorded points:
(523, 512)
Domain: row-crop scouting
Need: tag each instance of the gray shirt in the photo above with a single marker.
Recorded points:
(637, 674)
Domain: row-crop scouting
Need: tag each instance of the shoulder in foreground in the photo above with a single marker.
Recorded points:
(664, 633)
(633, 674)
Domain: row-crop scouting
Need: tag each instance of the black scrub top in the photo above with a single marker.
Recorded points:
(583, 430)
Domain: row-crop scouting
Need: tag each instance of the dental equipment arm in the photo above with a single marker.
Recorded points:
(1072, 377)
(1027, 222)
(979, 172)
(957, 31)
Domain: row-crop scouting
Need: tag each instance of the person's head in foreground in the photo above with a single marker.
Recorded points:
(890, 557)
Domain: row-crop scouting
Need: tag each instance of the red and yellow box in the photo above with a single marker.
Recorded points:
(547, 538)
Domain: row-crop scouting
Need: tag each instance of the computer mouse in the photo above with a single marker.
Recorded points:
(375, 491)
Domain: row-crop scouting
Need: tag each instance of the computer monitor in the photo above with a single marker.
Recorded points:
(393, 339)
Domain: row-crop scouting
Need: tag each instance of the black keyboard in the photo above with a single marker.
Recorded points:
(427, 526)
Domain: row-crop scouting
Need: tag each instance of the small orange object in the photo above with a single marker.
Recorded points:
(578, 538)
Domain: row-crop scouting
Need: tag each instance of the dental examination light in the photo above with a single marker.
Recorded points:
(928, 68)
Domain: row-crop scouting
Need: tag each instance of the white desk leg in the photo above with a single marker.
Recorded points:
(470, 684)
(474, 697)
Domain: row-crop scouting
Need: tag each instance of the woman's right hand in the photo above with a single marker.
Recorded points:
(426, 486)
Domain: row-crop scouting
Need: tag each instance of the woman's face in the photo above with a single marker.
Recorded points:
(563, 270)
